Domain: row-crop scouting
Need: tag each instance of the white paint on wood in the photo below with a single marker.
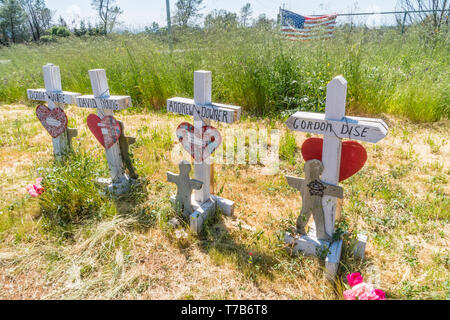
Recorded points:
(310, 245)
(202, 168)
(64, 97)
(55, 97)
(354, 128)
(100, 89)
(332, 146)
(307, 244)
(199, 216)
(212, 111)
(53, 122)
(116, 188)
(104, 102)
(332, 259)
(225, 205)
(360, 246)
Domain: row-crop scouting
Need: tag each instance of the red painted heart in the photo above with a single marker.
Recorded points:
(210, 141)
(54, 121)
(353, 155)
(106, 130)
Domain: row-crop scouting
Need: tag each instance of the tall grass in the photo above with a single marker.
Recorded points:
(387, 72)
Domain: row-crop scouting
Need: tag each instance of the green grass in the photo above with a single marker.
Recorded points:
(387, 72)
(71, 195)
(288, 146)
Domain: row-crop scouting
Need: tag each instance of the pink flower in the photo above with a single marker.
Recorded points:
(354, 278)
(380, 293)
(369, 296)
(376, 294)
(362, 288)
(349, 295)
(31, 190)
(35, 189)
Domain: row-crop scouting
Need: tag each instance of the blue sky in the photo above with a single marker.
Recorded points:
(139, 13)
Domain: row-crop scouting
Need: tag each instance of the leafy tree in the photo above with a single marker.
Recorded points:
(12, 21)
(187, 10)
(82, 30)
(154, 28)
(108, 13)
(94, 31)
(62, 22)
(246, 12)
(38, 15)
(264, 23)
(59, 31)
(221, 19)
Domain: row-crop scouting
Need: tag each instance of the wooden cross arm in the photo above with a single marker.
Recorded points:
(295, 182)
(332, 190)
(355, 128)
(196, 184)
(57, 96)
(172, 177)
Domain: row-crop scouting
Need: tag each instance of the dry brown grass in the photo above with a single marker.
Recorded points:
(117, 259)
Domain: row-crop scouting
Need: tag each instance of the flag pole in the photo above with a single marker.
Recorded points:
(169, 26)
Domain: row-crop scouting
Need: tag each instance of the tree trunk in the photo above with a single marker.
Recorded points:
(13, 35)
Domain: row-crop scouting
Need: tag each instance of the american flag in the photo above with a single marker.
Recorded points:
(307, 28)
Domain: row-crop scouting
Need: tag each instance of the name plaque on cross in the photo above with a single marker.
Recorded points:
(104, 102)
(63, 97)
(212, 111)
(356, 128)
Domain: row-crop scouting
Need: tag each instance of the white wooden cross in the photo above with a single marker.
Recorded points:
(334, 126)
(105, 105)
(203, 111)
(55, 97)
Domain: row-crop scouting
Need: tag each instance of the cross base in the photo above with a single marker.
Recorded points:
(204, 210)
(226, 206)
(118, 187)
(311, 246)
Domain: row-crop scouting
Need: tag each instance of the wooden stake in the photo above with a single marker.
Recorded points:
(332, 146)
(100, 89)
(202, 168)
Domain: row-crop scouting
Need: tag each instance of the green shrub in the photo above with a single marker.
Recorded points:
(71, 195)
(47, 38)
(58, 31)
